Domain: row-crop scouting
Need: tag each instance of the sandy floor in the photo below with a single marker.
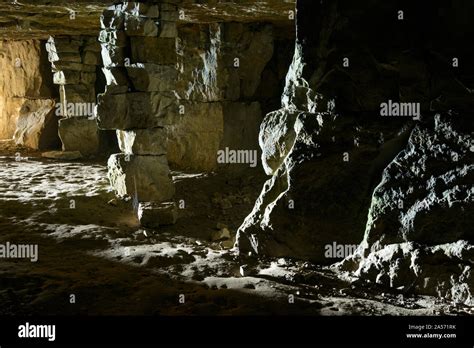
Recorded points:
(91, 245)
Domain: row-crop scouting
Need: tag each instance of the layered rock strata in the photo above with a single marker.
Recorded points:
(75, 62)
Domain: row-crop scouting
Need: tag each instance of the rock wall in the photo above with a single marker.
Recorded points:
(27, 95)
(200, 74)
(329, 146)
(215, 73)
(180, 90)
(418, 234)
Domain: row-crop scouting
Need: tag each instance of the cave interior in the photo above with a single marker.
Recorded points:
(176, 157)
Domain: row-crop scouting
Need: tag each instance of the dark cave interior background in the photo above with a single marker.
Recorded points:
(346, 211)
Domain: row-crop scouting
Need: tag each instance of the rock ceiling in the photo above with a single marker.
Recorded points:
(27, 19)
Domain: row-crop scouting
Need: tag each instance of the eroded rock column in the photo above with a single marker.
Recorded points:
(74, 61)
(139, 56)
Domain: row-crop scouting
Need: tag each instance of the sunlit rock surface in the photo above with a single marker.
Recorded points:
(26, 84)
(147, 178)
(37, 125)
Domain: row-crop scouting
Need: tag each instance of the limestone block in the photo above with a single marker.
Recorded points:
(145, 177)
(63, 65)
(80, 93)
(154, 215)
(139, 26)
(91, 58)
(154, 50)
(194, 136)
(79, 134)
(168, 29)
(134, 110)
(152, 77)
(150, 141)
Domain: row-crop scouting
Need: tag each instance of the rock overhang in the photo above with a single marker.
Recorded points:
(30, 19)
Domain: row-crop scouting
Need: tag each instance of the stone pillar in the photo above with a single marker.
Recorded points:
(74, 61)
(139, 62)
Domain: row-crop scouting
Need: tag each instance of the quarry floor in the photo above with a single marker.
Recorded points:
(91, 246)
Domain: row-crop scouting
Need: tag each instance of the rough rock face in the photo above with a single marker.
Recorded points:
(138, 57)
(325, 150)
(74, 63)
(443, 270)
(426, 189)
(10, 112)
(150, 141)
(222, 61)
(195, 84)
(147, 178)
(25, 73)
(417, 233)
(37, 125)
(220, 68)
(309, 136)
(193, 139)
(218, 63)
(40, 19)
(24, 76)
(79, 134)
